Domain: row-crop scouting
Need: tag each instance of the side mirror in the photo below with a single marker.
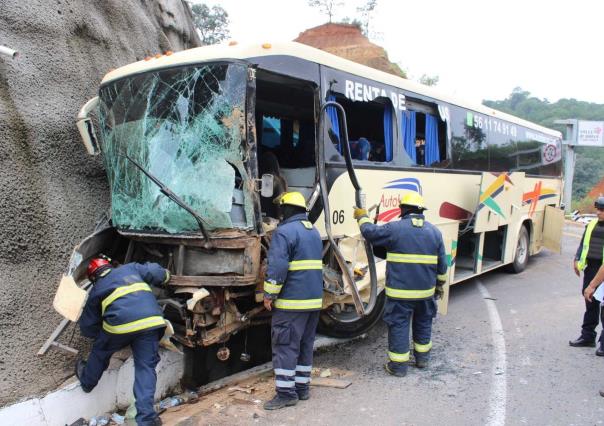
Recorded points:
(86, 128)
(266, 188)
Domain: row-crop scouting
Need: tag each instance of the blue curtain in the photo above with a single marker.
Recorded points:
(388, 132)
(332, 113)
(408, 132)
(432, 153)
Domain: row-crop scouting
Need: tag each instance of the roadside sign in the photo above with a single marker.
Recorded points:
(590, 133)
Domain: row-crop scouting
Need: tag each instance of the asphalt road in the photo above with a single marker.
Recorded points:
(501, 356)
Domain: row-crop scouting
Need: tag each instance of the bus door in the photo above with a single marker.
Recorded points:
(498, 209)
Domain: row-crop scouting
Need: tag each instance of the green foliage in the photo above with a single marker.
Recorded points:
(212, 23)
(429, 80)
(588, 165)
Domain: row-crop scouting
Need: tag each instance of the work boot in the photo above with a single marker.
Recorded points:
(395, 372)
(422, 362)
(280, 402)
(303, 394)
(79, 369)
(582, 342)
(600, 350)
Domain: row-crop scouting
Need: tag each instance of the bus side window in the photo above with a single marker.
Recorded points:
(424, 138)
(370, 128)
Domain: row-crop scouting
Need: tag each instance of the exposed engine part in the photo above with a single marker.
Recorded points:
(223, 353)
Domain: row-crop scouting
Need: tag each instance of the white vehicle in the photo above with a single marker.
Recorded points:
(183, 138)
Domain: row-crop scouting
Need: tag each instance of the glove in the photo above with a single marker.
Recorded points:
(359, 213)
(439, 292)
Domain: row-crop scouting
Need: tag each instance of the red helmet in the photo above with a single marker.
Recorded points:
(96, 265)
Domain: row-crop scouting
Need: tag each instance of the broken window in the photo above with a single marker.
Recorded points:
(186, 127)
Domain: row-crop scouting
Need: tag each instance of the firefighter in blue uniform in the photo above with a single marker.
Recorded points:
(294, 289)
(121, 310)
(589, 259)
(416, 271)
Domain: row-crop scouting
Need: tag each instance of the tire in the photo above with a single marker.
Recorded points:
(522, 252)
(349, 324)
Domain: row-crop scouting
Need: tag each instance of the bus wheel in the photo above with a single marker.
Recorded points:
(346, 323)
(522, 252)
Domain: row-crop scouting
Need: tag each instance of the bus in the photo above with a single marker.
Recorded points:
(196, 143)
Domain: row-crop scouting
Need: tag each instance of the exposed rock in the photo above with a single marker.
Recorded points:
(347, 41)
(52, 192)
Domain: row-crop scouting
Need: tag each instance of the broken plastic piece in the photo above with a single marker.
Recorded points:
(197, 296)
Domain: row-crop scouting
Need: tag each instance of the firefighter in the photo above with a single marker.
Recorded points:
(589, 259)
(294, 290)
(122, 311)
(415, 273)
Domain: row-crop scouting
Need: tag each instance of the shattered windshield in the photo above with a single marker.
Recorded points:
(186, 127)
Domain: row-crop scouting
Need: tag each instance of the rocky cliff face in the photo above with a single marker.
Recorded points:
(348, 42)
(52, 193)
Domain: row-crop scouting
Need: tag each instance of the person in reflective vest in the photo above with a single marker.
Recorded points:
(416, 271)
(293, 288)
(121, 311)
(588, 259)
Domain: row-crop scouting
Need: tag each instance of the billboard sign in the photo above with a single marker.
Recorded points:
(590, 133)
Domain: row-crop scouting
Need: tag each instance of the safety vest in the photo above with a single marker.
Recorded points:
(415, 258)
(294, 274)
(582, 262)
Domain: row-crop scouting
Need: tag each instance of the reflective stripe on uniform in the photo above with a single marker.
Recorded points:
(131, 327)
(302, 379)
(442, 277)
(398, 357)
(429, 259)
(285, 384)
(363, 220)
(284, 372)
(422, 348)
(409, 294)
(122, 291)
(167, 277)
(271, 288)
(302, 265)
(299, 304)
(304, 368)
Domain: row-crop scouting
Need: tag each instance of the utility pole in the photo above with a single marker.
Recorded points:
(568, 146)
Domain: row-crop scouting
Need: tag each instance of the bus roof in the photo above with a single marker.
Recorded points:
(299, 50)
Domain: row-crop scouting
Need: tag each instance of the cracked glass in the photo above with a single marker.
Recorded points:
(186, 127)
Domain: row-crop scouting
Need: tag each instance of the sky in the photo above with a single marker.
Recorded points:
(479, 49)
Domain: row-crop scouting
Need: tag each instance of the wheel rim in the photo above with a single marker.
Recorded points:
(521, 249)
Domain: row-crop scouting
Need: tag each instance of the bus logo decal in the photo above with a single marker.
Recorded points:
(487, 198)
(538, 193)
(392, 202)
(411, 184)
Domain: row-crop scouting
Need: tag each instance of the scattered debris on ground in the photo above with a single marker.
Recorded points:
(241, 400)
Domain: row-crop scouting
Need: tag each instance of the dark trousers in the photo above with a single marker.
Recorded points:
(293, 337)
(400, 316)
(145, 350)
(592, 315)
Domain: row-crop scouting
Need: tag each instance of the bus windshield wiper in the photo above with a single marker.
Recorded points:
(172, 196)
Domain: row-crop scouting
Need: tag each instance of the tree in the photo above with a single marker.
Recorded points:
(326, 6)
(212, 24)
(428, 80)
(365, 12)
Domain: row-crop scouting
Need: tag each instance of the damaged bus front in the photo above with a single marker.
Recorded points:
(179, 147)
(183, 183)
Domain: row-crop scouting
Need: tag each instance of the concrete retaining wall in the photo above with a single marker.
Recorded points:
(69, 403)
